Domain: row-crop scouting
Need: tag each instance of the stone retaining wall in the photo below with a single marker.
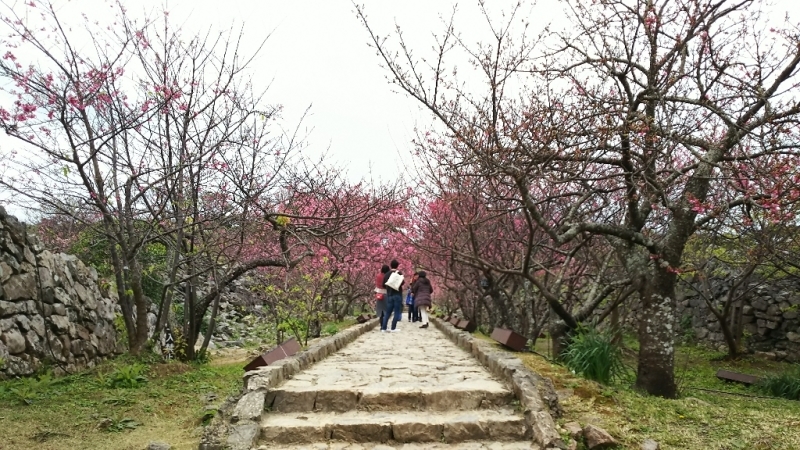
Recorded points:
(52, 310)
(768, 318)
(536, 394)
(236, 426)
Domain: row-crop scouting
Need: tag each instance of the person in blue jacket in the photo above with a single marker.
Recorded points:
(413, 312)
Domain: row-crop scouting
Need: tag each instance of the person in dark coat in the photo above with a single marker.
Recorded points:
(394, 298)
(422, 291)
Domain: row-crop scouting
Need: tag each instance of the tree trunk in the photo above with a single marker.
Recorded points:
(558, 334)
(726, 327)
(140, 334)
(191, 326)
(655, 374)
(737, 325)
(168, 292)
(616, 329)
(212, 322)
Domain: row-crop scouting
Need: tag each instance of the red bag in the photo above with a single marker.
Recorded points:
(378, 296)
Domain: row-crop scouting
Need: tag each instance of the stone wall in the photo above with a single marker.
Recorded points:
(57, 315)
(767, 318)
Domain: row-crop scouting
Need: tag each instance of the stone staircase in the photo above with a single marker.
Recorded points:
(413, 389)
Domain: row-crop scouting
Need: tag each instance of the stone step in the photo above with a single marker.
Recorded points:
(400, 427)
(462, 396)
(471, 445)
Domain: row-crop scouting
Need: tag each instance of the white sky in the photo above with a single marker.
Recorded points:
(317, 55)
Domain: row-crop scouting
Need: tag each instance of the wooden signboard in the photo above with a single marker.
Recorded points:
(287, 348)
(510, 339)
(467, 326)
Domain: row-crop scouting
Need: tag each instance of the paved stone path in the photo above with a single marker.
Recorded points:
(413, 389)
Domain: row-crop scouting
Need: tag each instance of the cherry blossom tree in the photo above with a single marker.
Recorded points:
(635, 117)
(157, 138)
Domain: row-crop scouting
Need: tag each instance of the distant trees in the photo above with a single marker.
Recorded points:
(160, 140)
(641, 123)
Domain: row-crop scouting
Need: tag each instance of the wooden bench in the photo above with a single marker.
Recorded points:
(727, 375)
(286, 348)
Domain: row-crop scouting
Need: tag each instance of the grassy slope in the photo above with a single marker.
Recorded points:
(699, 419)
(168, 408)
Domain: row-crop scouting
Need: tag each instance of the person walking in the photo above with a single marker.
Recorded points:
(380, 293)
(393, 282)
(422, 290)
(413, 311)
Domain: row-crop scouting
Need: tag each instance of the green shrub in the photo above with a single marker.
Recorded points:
(785, 385)
(592, 354)
(330, 329)
(203, 357)
(128, 377)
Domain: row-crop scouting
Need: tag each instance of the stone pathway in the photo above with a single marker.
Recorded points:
(413, 389)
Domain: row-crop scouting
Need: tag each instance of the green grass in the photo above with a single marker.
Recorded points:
(785, 385)
(710, 413)
(331, 328)
(121, 405)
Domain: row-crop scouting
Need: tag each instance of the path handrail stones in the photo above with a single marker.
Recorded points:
(535, 393)
(412, 389)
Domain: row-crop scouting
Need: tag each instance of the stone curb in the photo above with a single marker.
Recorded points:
(240, 429)
(538, 409)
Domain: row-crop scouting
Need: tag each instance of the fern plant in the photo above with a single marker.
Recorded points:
(27, 390)
(126, 377)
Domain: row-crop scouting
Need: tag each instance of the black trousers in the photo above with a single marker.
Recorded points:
(413, 313)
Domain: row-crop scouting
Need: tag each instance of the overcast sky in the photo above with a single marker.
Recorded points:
(317, 55)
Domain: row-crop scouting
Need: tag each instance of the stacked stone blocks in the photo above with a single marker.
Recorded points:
(52, 310)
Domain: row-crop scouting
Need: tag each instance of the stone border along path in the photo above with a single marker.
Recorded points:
(415, 389)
